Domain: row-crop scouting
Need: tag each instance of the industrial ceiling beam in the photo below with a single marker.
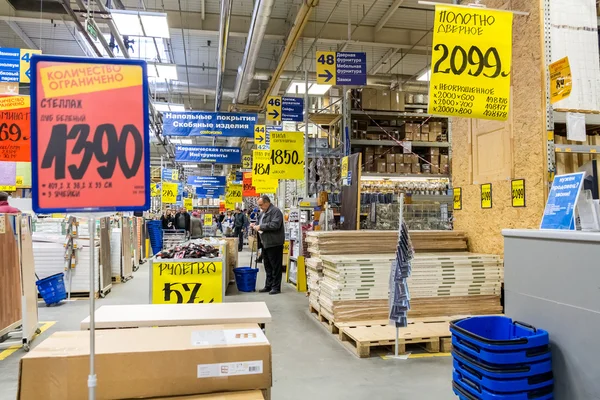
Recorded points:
(20, 33)
(382, 61)
(388, 14)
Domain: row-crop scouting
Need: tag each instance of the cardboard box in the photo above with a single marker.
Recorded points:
(397, 101)
(398, 159)
(435, 169)
(369, 99)
(445, 169)
(379, 150)
(148, 362)
(433, 151)
(390, 158)
(434, 159)
(246, 395)
(391, 168)
(425, 128)
(370, 162)
(410, 158)
(383, 99)
(416, 168)
(434, 136)
(403, 168)
(444, 159)
(435, 127)
(381, 167)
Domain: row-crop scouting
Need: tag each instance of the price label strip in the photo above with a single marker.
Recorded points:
(457, 198)
(517, 187)
(471, 59)
(15, 122)
(287, 155)
(86, 156)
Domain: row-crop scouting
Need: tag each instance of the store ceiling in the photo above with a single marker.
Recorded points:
(397, 42)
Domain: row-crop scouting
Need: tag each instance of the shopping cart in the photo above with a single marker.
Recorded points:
(172, 238)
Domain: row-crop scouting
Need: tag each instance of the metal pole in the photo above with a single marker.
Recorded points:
(400, 219)
(161, 182)
(92, 381)
(306, 109)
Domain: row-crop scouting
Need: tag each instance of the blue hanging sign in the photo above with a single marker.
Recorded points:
(170, 175)
(208, 154)
(207, 180)
(213, 193)
(562, 200)
(341, 68)
(200, 123)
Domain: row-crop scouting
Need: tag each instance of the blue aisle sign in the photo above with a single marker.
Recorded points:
(200, 123)
(214, 193)
(215, 181)
(562, 200)
(341, 68)
(208, 154)
(170, 175)
(281, 108)
(239, 175)
(14, 64)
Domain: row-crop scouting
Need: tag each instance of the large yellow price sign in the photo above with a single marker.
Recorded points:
(486, 195)
(208, 219)
(188, 204)
(169, 192)
(187, 282)
(287, 155)
(261, 165)
(517, 187)
(471, 62)
(233, 195)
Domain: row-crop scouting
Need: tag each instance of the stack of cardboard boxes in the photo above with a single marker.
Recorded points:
(378, 99)
(392, 160)
(164, 362)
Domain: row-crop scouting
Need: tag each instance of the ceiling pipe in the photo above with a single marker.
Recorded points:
(67, 6)
(300, 22)
(256, 34)
(112, 26)
(224, 25)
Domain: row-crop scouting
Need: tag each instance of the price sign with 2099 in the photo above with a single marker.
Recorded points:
(471, 63)
(90, 135)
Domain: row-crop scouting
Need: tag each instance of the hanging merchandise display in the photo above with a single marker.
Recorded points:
(15, 128)
(201, 123)
(208, 154)
(471, 63)
(99, 160)
(287, 155)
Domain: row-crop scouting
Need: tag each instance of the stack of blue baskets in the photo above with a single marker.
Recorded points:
(156, 235)
(496, 358)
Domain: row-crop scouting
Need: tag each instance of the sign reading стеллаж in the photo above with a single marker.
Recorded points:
(200, 123)
(562, 199)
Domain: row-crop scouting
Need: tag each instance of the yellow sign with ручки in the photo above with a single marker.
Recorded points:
(457, 198)
(185, 282)
(561, 80)
(471, 63)
(486, 195)
(287, 155)
(517, 189)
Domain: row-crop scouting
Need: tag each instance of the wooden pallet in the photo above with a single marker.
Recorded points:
(324, 318)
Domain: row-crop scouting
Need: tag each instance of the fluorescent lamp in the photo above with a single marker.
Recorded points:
(141, 23)
(400, 178)
(181, 141)
(163, 71)
(425, 75)
(142, 48)
(190, 165)
(317, 89)
(169, 107)
(296, 87)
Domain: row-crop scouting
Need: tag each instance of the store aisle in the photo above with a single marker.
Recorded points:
(307, 361)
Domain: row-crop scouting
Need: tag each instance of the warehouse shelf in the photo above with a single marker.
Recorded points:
(396, 114)
(366, 142)
(382, 175)
(576, 148)
(445, 198)
(416, 106)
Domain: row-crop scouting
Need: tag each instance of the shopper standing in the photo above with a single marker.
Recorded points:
(182, 220)
(272, 235)
(240, 221)
(195, 226)
(168, 222)
(5, 207)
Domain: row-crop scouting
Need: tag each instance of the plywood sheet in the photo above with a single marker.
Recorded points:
(29, 289)
(147, 315)
(126, 253)
(10, 273)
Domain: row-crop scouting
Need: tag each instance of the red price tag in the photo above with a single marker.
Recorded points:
(92, 135)
(14, 128)
(248, 189)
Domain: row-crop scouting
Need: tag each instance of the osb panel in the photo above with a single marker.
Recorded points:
(529, 153)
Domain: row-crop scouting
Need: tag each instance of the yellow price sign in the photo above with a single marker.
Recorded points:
(188, 204)
(261, 164)
(267, 186)
(326, 67)
(561, 80)
(246, 161)
(344, 172)
(486, 195)
(286, 247)
(233, 195)
(24, 64)
(208, 219)
(260, 134)
(457, 194)
(169, 192)
(6, 188)
(287, 155)
(517, 188)
(187, 282)
(274, 108)
(471, 62)
(154, 190)
(19, 181)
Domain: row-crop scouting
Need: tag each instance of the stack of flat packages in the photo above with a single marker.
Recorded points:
(115, 252)
(381, 242)
(355, 287)
(314, 275)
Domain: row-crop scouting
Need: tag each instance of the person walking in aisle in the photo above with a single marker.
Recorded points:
(195, 226)
(272, 235)
(240, 221)
(5, 207)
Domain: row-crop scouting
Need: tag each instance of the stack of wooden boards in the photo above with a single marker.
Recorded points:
(314, 276)
(381, 242)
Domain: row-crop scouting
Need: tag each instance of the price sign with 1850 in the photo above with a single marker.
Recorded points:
(285, 157)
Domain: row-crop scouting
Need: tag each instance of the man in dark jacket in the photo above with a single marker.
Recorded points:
(183, 220)
(240, 221)
(271, 229)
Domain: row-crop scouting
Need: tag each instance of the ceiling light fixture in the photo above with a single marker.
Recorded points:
(163, 71)
(298, 87)
(169, 107)
(141, 23)
(424, 76)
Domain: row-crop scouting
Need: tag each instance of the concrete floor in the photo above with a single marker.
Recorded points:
(307, 361)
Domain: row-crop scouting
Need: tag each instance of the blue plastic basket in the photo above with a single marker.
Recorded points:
(52, 289)
(464, 388)
(499, 340)
(245, 278)
(503, 371)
